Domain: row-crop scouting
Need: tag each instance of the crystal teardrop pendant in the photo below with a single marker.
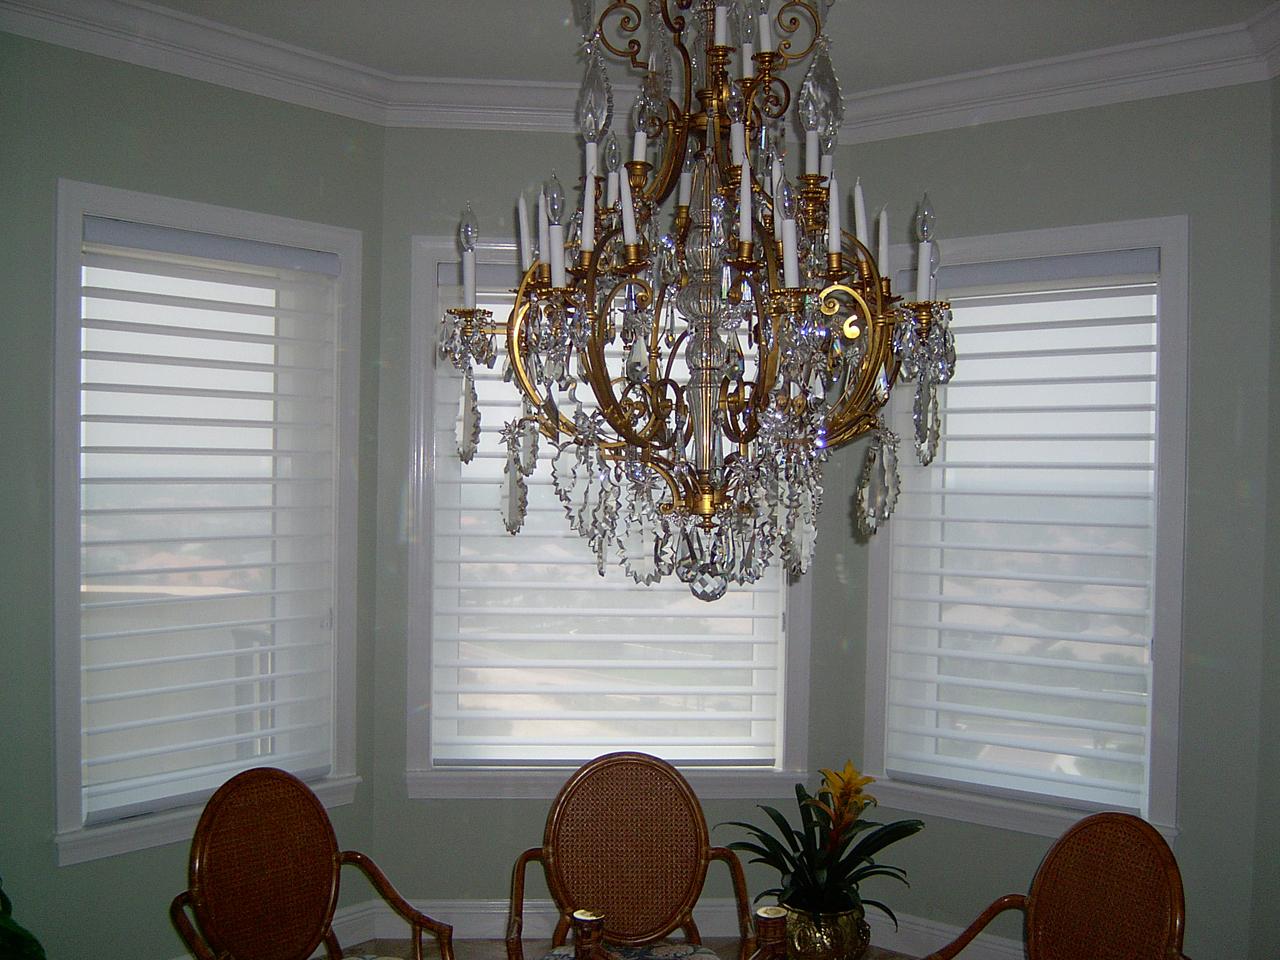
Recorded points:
(878, 488)
(515, 494)
(468, 419)
(925, 415)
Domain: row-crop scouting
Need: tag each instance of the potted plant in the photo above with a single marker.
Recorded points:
(822, 862)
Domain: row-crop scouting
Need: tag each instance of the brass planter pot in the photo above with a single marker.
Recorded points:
(827, 936)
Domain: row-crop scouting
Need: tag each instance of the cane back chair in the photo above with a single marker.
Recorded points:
(626, 840)
(263, 876)
(1108, 889)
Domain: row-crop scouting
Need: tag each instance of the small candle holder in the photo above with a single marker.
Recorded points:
(586, 258)
(835, 264)
(588, 934)
(682, 219)
(813, 199)
(635, 261)
(637, 174)
(744, 261)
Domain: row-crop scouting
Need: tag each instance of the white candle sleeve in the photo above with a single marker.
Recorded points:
(589, 201)
(922, 272)
(543, 245)
(640, 146)
(833, 217)
(522, 214)
(811, 151)
(744, 207)
(721, 26)
(628, 211)
(748, 67)
(790, 258)
(826, 166)
(556, 238)
(737, 143)
(611, 190)
(860, 214)
(882, 253)
(469, 279)
(686, 189)
(766, 33)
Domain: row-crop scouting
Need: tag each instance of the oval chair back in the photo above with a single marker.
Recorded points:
(1108, 889)
(263, 874)
(626, 837)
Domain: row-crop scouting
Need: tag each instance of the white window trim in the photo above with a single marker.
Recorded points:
(76, 843)
(422, 781)
(1170, 235)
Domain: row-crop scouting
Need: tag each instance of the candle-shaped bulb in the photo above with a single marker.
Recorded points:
(468, 230)
(748, 27)
(735, 106)
(925, 220)
(555, 199)
(787, 200)
(612, 153)
(595, 99)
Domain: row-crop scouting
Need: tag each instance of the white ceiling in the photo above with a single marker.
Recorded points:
(876, 43)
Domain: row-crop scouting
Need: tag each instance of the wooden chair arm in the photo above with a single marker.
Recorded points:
(416, 919)
(746, 931)
(186, 929)
(515, 920)
(1010, 901)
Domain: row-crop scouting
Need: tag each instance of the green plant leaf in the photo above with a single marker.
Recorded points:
(875, 841)
(775, 854)
(878, 870)
(881, 907)
(784, 827)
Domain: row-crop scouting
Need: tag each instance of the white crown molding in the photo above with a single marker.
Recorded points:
(149, 36)
(1265, 30)
(1135, 71)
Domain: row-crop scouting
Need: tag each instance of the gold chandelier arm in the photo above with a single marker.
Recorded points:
(515, 354)
(629, 18)
(789, 23)
(855, 413)
(665, 177)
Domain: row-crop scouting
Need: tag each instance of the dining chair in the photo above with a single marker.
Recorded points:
(263, 876)
(626, 852)
(1108, 889)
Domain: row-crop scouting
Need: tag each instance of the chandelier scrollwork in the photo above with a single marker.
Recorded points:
(693, 363)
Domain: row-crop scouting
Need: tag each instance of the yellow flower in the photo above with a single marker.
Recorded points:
(847, 801)
(846, 786)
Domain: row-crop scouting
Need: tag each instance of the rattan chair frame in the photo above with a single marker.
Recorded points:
(244, 822)
(1047, 902)
(606, 778)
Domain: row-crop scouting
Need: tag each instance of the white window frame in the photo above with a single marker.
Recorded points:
(1170, 236)
(75, 842)
(422, 779)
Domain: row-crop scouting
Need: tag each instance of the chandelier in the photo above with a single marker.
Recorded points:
(694, 362)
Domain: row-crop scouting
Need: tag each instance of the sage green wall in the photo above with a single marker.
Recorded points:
(1266, 862)
(66, 114)
(1208, 155)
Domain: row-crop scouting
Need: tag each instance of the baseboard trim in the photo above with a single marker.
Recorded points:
(487, 920)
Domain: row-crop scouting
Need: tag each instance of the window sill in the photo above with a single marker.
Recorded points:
(733, 783)
(170, 826)
(1023, 816)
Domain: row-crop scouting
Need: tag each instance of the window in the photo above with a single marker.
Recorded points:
(1024, 618)
(524, 661)
(204, 405)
